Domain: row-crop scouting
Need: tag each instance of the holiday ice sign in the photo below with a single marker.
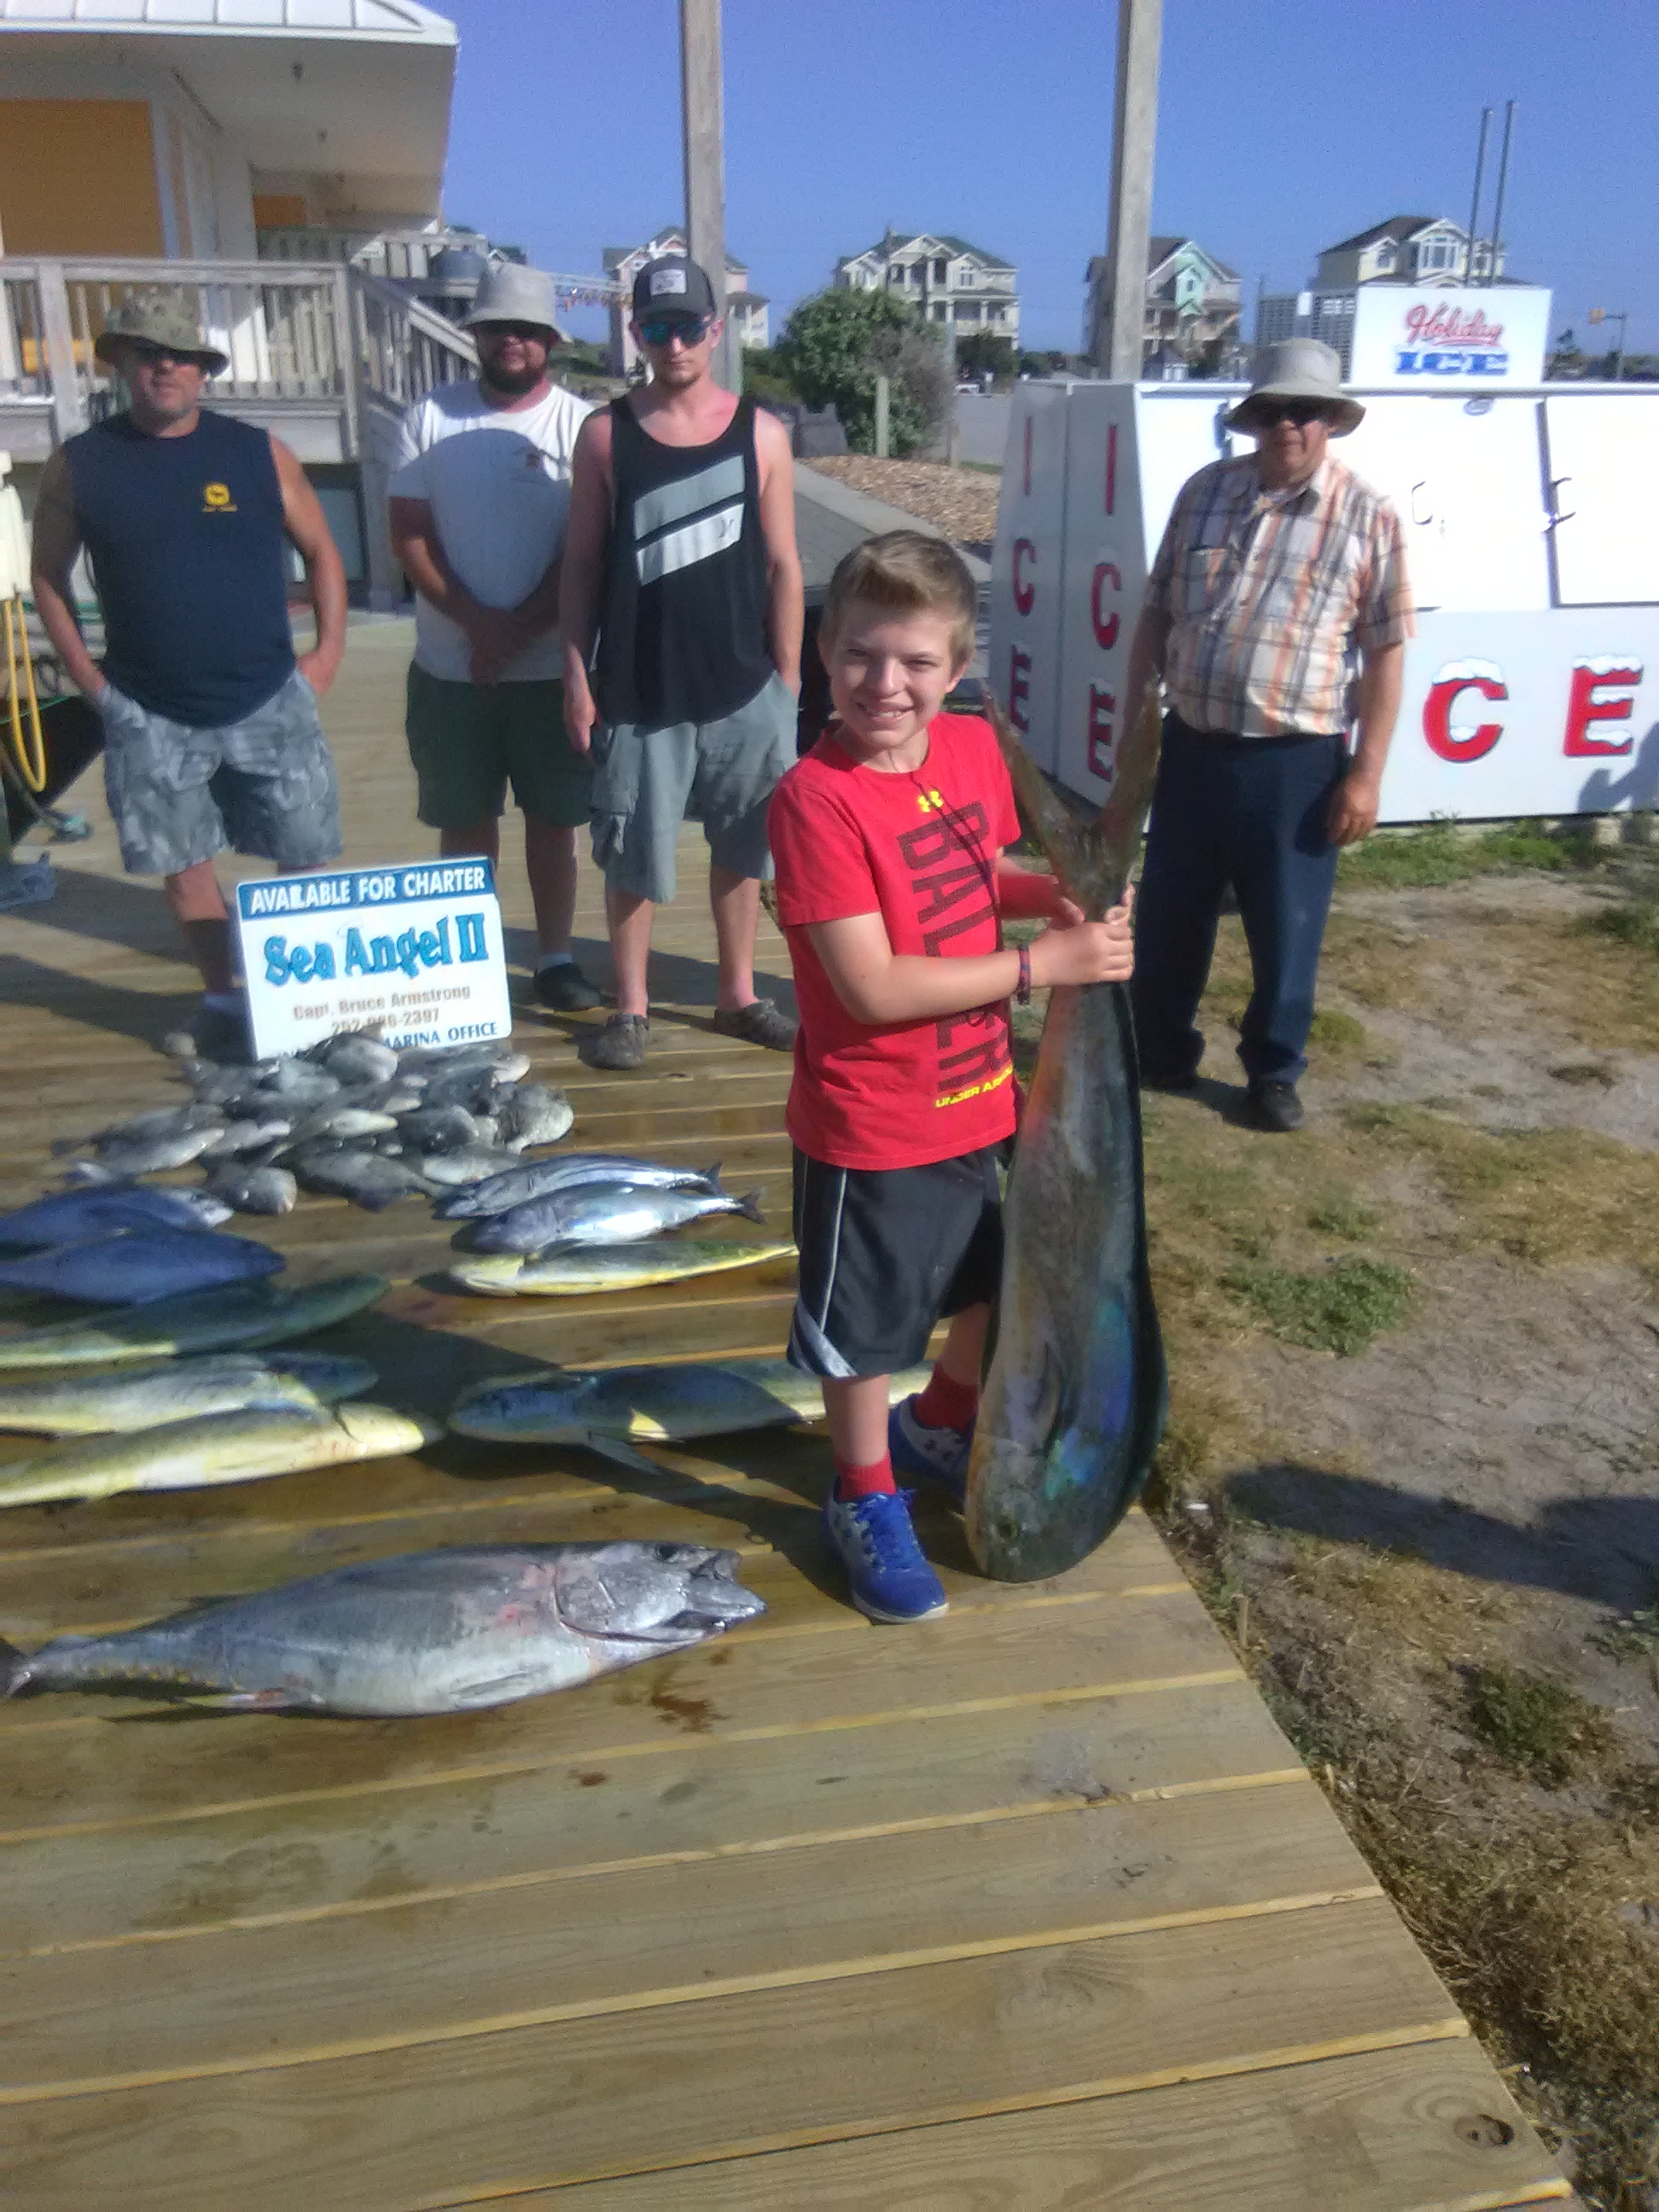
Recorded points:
(413, 950)
(1421, 340)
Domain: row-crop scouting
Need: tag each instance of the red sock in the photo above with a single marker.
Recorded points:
(947, 1403)
(875, 1480)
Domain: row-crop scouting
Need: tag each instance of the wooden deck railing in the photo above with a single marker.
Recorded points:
(296, 333)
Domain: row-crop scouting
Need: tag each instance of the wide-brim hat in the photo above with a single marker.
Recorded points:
(510, 292)
(163, 319)
(1299, 368)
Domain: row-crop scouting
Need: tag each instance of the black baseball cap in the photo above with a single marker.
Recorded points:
(672, 285)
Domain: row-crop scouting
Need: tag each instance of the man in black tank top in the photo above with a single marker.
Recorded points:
(681, 562)
(211, 734)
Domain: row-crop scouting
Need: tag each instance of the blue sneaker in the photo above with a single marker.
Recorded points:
(892, 1581)
(926, 1454)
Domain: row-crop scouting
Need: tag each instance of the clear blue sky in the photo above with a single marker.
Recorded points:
(1283, 127)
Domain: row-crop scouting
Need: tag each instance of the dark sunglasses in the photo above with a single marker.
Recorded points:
(1299, 411)
(662, 330)
(531, 333)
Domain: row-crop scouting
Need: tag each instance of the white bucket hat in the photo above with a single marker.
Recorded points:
(1299, 368)
(510, 292)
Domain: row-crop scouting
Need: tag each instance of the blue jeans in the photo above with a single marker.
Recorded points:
(1251, 812)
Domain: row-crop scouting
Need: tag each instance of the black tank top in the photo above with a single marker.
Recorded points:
(682, 622)
(185, 535)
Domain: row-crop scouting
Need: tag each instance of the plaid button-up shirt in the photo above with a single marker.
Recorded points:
(1270, 594)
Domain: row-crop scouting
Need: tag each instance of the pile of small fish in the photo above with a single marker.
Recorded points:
(352, 1118)
(589, 1221)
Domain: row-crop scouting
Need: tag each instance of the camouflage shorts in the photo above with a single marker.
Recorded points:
(264, 785)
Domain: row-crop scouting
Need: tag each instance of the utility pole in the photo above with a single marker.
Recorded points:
(1134, 142)
(702, 116)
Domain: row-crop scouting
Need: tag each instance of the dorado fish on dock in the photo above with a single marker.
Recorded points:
(217, 1382)
(246, 1316)
(427, 1632)
(1075, 1400)
(606, 1406)
(586, 1268)
(243, 1446)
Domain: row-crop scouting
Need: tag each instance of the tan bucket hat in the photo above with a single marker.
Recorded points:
(163, 319)
(1299, 368)
(510, 292)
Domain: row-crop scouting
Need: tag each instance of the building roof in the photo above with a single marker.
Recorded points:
(352, 18)
(1399, 227)
(358, 90)
(612, 256)
(901, 240)
(1160, 249)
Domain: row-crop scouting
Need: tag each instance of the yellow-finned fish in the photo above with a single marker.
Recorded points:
(179, 1390)
(215, 1448)
(609, 1409)
(607, 1266)
(241, 1315)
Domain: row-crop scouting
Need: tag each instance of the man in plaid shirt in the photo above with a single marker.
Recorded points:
(1276, 613)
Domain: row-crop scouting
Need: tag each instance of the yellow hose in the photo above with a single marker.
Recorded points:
(26, 743)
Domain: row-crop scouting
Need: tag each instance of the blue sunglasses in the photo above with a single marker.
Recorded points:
(661, 330)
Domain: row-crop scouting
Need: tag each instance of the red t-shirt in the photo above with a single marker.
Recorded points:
(919, 849)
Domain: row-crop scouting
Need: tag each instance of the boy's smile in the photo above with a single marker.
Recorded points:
(888, 676)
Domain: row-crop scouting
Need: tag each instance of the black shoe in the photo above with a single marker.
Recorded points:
(1168, 1078)
(1276, 1106)
(565, 989)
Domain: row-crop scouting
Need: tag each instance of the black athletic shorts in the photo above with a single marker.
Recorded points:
(885, 1253)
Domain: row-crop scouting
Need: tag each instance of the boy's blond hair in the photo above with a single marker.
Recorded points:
(905, 573)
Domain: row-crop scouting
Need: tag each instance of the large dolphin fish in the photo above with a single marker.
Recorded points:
(1075, 1403)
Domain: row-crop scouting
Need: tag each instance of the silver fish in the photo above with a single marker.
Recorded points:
(296, 1083)
(148, 1155)
(457, 1170)
(247, 1189)
(218, 1383)
(610, 1214)
(236, 1138)
(68, 1217)
(440, 1129)
(159, 1122)
(499, 1060)
(357, 1058)
(571, 1171)
(368, 1179)
(582, 1269)
(427, 1632)
(135, 1267)
(1075, 1400)
(474, 1088)
(531, 1114)
(342, 1121)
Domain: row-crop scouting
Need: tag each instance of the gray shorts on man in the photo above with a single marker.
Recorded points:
(720, 773)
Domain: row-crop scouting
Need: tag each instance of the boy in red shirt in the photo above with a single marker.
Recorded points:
(889, 841)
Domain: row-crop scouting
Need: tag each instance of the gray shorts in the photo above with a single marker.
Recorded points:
(722, 773)
(264, 785)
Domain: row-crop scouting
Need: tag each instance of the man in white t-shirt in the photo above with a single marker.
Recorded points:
(480, 503)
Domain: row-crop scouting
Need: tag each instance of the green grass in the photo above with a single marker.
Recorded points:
(1636, 924)
(1537, 1725)
(1634, 1637)
(1441, 852)
(1344, 1218)
(1340, 1308)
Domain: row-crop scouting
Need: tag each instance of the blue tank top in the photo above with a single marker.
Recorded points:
(187, 548)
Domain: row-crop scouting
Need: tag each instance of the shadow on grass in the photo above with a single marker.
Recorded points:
(1602, 1549)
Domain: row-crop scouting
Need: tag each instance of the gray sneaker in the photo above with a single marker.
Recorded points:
(761, 1021)
(619, 1045)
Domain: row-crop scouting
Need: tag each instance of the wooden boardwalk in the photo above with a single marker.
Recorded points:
(1030, 1906)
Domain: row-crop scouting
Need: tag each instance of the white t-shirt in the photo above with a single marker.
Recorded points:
(497, 480)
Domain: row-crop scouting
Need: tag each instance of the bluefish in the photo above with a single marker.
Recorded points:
(67, 1217)
(135, 1267)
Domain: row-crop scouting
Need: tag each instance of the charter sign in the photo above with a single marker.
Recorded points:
(413, 951)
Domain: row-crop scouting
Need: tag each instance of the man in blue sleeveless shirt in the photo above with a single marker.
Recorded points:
(211, 735)
(681, 556)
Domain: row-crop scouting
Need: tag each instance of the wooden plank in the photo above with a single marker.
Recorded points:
(1380, 2132)
(863, 2051)
(615, 1939)
(561, 1822)
(751, 1685)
